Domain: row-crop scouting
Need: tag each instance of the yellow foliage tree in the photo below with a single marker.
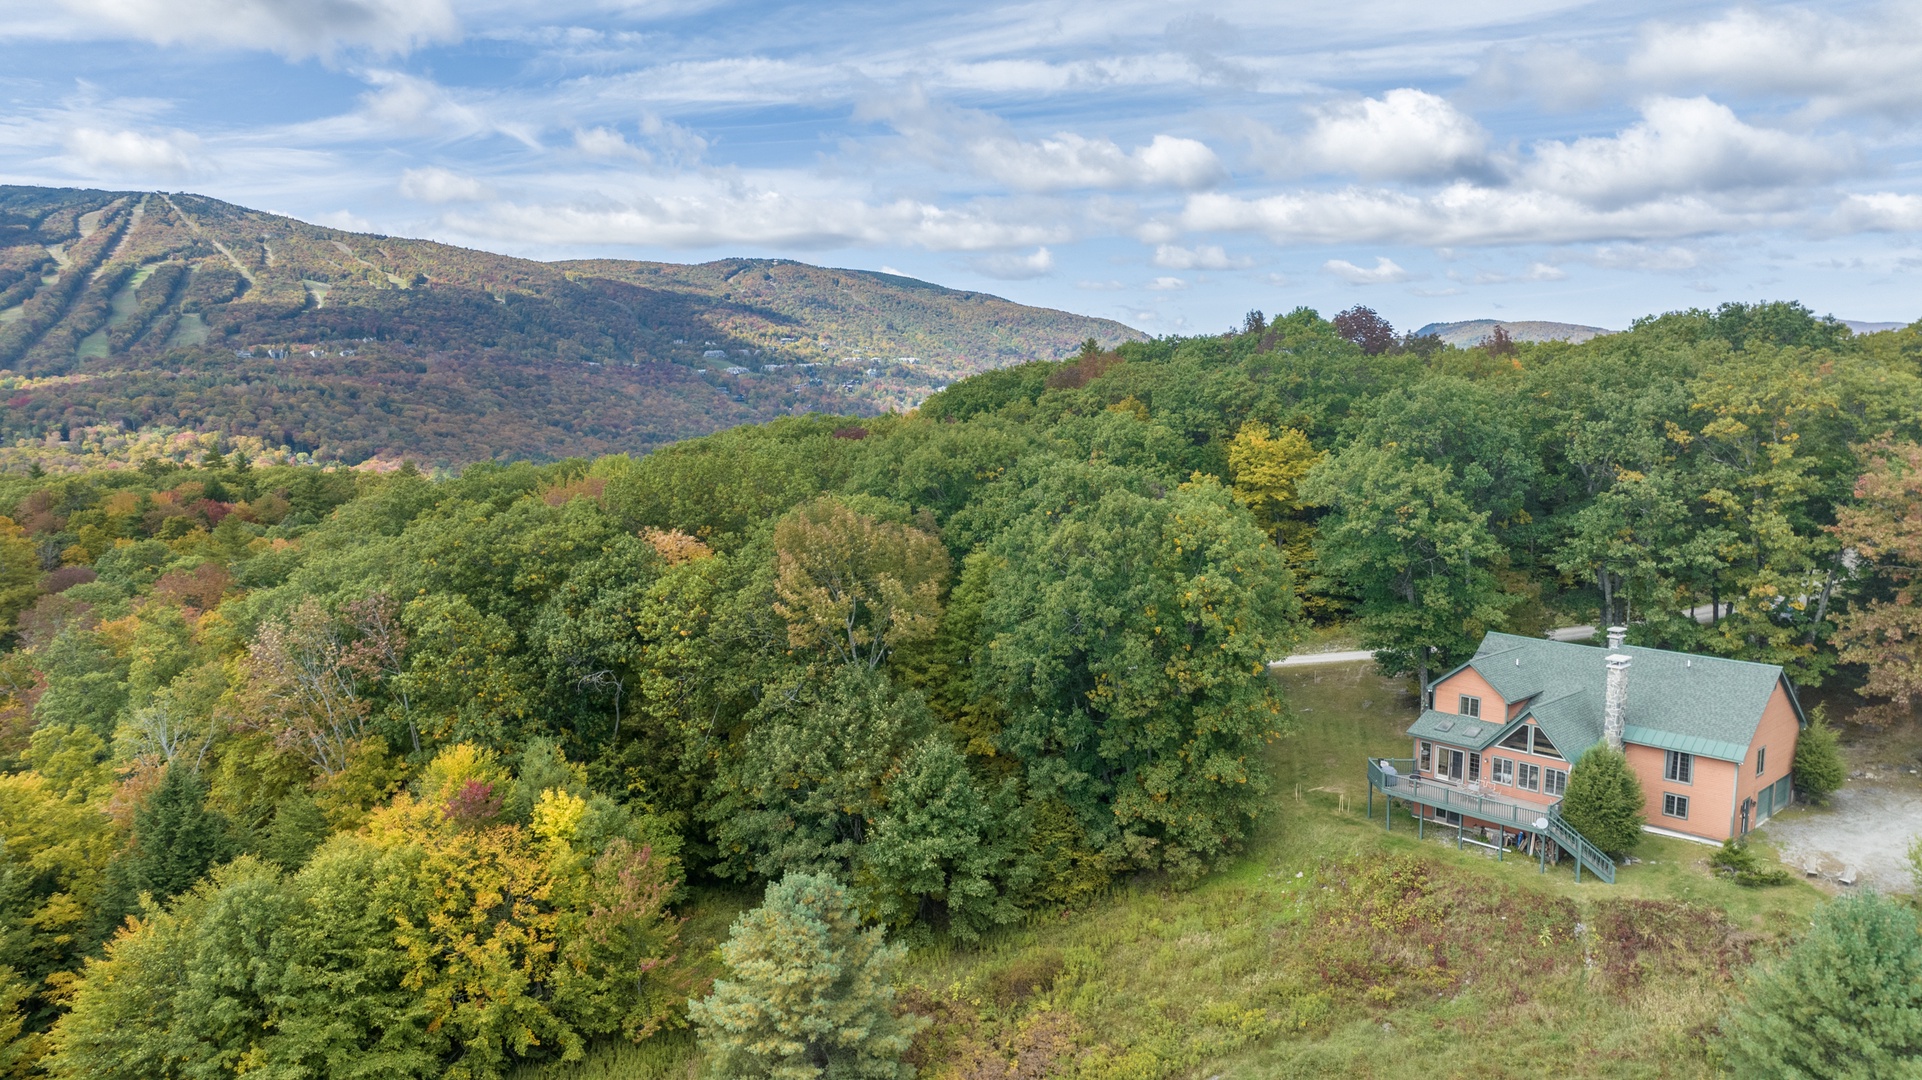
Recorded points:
(855, 587)
(1267, 468)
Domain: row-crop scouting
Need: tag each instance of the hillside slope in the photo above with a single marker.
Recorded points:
(142, 311)
(1472, 332)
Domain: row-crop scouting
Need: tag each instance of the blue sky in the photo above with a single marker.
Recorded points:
(1170, 165)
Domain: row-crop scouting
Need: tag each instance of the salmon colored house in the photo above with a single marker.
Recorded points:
(1712, 740)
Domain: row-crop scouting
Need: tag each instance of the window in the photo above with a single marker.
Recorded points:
(1530, 778)
(1501, 770)
(1557, 782)
(1761, 756)
(1474, 767)
(1543, 746)
(1469, 706)
(1427, 757)
(1679, 768)
(1517, 739)
(1675, 806)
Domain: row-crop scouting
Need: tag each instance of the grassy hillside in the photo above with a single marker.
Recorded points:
(128, 311)
(1336, 948)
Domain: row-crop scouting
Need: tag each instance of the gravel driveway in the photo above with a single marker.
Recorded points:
(1863, 834)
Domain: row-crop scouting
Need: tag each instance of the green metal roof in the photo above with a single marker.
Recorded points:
(1703, 705)
(1462, 732)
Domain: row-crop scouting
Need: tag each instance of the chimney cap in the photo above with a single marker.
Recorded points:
(1619, 659)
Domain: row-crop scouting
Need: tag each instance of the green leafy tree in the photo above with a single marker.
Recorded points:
(1844, 1004)
(299, 826)
(1128, 634)
(943, 851)
(809, 775)
(1400, 539)
(808, 992)
(1819, 768)
(1604, 800)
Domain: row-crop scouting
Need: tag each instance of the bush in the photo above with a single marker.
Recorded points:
(809, 992)
(1604, 800)
(1736, 860)
(1819, 771)
(1844, 1004)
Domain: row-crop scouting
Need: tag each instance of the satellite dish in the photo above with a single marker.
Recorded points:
(1541, 824)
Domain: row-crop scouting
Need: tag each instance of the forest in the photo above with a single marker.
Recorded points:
(320, 772)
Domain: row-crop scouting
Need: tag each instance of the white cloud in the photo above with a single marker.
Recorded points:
(176, 154)
(1016, 267)
(344, 220)
(1881, 211)
(1068, 161)
(1384, 272)
(434, 184)
(1404, 134)
(295, 28)
(1645, 257)
(1167, 284)
(602, 142)
(710, 212)
(1836, 64)
(1682, 145)
(1202, 257)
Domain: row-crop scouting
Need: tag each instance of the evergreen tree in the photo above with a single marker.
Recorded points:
(1819, 771)
(943, 852)
(1604, 800)
(176, 838)
(1844, 1004)
(808, 992)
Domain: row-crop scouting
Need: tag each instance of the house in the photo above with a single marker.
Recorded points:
(1712, 740)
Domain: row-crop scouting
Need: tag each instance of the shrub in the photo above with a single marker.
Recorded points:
(1845, 1003)
(1737, 861)
(1819, 771)
(1604, 800)
(809, 992)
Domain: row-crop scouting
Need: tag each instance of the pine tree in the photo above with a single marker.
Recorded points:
(1819, 771)
(1844, 1004)
(808, 993)
(176, 837)
(1604, 800)
(299, 827)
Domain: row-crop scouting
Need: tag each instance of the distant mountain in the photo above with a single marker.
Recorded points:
(143, 311)
(1475, 331)
(1861, 327)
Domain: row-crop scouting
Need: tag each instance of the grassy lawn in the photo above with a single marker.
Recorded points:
(1335, 948)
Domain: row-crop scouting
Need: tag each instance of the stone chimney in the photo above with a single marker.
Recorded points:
(1615, 700)
(1617, 635)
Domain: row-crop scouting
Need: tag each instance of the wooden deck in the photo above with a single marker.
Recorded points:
(1403, 783)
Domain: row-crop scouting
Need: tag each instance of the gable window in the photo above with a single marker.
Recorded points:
(1675, 806)
(1517, 739)
(1679, 768)
(1469, 706)
(1427, 756)
(1761, 756)
(1529, 777)
(1543, 746)
(1555, 782)
(1501, 770)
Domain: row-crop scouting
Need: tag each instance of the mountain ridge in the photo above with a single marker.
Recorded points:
(127, 311)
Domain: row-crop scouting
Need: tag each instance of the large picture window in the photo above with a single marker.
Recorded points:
(1555, 782)
(1679, 768)
(1528, 777)
(1517, 739)
(1469, 706)
(1543, 746)
(1675, 806)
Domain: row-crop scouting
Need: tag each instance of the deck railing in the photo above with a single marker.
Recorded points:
(1407, 784)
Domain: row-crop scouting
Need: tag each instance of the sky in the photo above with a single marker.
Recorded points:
(1170, 165)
